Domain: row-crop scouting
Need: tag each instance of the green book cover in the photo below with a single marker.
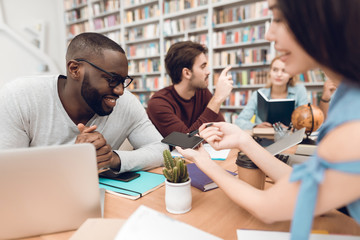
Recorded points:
(134, 189)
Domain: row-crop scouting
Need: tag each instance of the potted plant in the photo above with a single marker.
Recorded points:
(177, 184)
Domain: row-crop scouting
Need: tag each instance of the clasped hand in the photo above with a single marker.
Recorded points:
(104, 154)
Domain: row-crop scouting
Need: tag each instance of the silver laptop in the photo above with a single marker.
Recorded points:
(47, 189)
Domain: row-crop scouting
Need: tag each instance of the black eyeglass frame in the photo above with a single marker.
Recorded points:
(115, 80)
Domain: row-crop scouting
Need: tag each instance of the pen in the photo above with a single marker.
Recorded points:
(191, 134)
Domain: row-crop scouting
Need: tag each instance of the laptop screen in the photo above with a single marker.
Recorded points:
(47, 189)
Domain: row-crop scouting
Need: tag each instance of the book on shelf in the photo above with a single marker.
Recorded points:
(200, 180)
(134, 189)
(275, 110)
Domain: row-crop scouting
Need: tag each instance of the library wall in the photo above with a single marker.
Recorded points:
(19, 16)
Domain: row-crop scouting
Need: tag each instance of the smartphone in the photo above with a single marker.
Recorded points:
(125, 177)
(182, 140)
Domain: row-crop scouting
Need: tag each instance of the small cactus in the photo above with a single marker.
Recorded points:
(175, 168)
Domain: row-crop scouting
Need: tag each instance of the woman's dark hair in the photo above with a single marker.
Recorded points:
(182, 55)
(328, 31)
(88, 45)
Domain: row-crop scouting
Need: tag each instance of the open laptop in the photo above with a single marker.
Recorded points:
(47, 189)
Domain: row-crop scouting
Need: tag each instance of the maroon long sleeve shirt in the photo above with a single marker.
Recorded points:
(169, 112)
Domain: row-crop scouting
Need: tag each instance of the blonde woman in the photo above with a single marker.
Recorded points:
(280, 85)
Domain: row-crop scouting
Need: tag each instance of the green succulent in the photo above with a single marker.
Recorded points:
(175, 168)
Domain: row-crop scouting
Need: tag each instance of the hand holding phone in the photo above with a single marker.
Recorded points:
(182, 140)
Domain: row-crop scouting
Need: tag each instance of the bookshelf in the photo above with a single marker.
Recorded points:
(233, 31)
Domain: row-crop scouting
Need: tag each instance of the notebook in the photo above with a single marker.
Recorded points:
(47, 189)
(275, 110)
(200, 180)
(136, 188)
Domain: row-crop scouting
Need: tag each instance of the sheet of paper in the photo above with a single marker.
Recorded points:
(215, 155)
(146, 223)
(244, 234)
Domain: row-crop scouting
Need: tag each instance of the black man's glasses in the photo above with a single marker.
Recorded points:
(115, 79)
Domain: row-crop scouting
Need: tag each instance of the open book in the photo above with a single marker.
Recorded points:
(134, 189)
(275, 110)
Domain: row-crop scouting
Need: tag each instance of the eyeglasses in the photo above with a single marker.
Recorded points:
(115, 79)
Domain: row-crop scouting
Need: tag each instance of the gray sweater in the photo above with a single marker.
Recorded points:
(31, 114)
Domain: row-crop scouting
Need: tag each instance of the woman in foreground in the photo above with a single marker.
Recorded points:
(308, 34)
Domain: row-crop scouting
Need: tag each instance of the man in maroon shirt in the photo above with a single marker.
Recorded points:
(188, 103)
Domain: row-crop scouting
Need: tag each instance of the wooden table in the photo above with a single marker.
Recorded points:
(215, 213)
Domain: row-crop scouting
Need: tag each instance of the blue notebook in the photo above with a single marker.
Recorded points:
(134, 189)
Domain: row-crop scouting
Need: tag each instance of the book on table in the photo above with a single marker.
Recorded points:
(275, 110)
(200, 180)
(134, 189)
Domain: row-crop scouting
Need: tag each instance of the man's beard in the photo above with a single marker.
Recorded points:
(92, 97)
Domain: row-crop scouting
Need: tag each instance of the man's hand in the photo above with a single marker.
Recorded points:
(104, 154)
(223, 89)
(328, 90)
(224, 85)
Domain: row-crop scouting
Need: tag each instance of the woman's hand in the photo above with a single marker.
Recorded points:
(222, 135)
(199, 156)
(263, 125)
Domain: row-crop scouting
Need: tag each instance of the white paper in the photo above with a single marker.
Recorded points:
(244, 234)
(215, 155)
(146, 223)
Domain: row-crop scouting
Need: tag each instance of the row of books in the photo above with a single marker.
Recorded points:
(148, 83)
(78, 28)
(246, 77)
(105, 6)
(201, 38)
(147, 49)
(239, 35)
(240, 13)
(145, 12)
(135, 2)
(238, 98)
(230, 117)
(142, 32)
(241, 56)
(174, 26)
(73, 3)
(76, 14)
(180, 5)
(314, 97)
(315, 75)
(143, 98)
(105, 22)
(144, 66)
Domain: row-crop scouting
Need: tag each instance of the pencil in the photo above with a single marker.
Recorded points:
(191, 134)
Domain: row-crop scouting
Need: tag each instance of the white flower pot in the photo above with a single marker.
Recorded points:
(178, 197)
